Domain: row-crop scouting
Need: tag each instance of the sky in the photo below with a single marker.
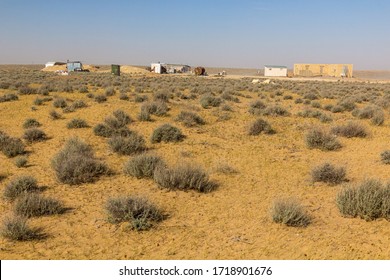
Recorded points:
(220, 33)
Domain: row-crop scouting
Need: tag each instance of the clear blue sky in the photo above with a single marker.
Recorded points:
(227, 33)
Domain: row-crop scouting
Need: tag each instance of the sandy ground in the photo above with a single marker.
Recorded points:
(232, 222)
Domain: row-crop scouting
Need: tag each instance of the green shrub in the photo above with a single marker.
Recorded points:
(167, 133)
(17, 229)
(20, 185)
(129, 145)
(259, 126)
(289, 212)
(328, 173)
(190, 119)
(183, 177)
(369, 200)
(349, 130)
(76, 164)
(317, 138)
(138, 211)
(29, 123)
(142, 166)
(34, 205)
(34, 135)
(77, 123)
(21, 161)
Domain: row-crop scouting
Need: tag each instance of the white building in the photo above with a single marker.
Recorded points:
(275, 71)
(52, 63)
(169, 68)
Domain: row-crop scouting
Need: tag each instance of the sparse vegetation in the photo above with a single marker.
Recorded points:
(142, 166)
(128, 145)
(34, 135)
(77, 123)
(318, 138)
(11, 146)
(21, 161)
(289, 212)
(259, 126)
(167, 133)
(328, 173)
(76, 163)
(34, 205)
(190, 119)
(29, 123)
(183, 177)
(20, 185)
(349, 130)
(17, 229)
(139, 212)
(369, 200)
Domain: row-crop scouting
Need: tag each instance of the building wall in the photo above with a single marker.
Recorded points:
(275, 72)
(323, 70)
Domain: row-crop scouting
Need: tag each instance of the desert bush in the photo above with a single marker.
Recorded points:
(225, 168)
(328, 173)
(17, 229)
(183, 177)
(275, 111)
(26, 90)
(257, 107)
(310, 96)
(367, 200)
(167, 133)
(259, 126)
(34, 135)
(140, 98)
(11, 146)
(54, 115)
(190, 119)
(157, 108)
(8, 97)
(378, 118)
(29, 123)
(20, 185)
(318, 138)
(122, 117)
(34, 205)
(59, 102)
(124, 96)
(207, 100)
(77, 123)
(83, 89)
(161, 95)
(78, 104)
(337, 109)
(349, 130)
(365, 113)
(138, 211)
(76, 164)
(298, 101)
(100, 98)
(21, 161)
(315, 104)
(385, 157)
(347, 104)
(129, 145)
(142, 166)
(289, 212)
(110, 91)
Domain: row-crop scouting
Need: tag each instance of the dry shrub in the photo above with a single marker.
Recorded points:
(76, 163)
(77, 123)
(34, 135)
(183, 177)
(318, 138)
(21, 161)
(369, 200)
(328, 173)
(167, 133)
(128, 145)
(257, 107)
(54, 115)
(138, 211)
(11, 146)
(259, 126)
(349, 130)
(29, 123)
(385, 157)
(208, 100)
(34, 205)
(20, 185)
(190, 119)
(289, 212)
(158, 108)
(142, 166)
(16, 229)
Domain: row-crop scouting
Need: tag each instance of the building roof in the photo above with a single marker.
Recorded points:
(275, 66)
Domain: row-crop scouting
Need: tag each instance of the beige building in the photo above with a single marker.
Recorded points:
(275, 71)
(323, 70)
